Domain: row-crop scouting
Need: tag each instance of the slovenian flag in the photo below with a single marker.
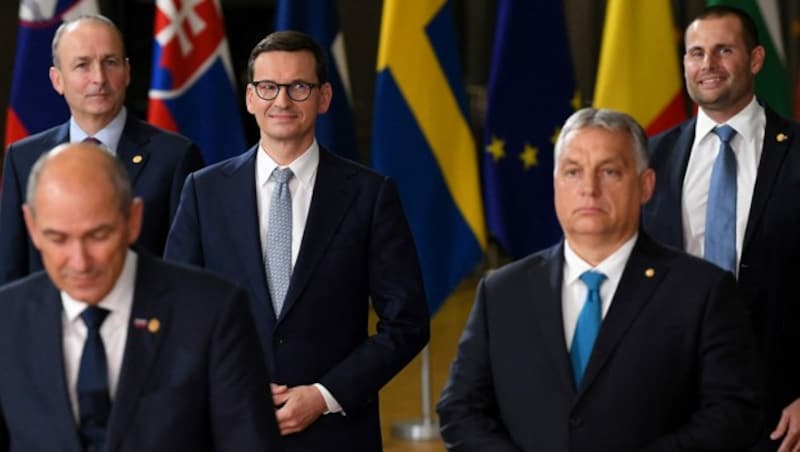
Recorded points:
(192, 88)
(34, 105)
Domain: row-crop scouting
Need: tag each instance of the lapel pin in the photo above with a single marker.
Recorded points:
(139, 324)
(153, 325)
(650, 272)
(782, 137)
(137, 158)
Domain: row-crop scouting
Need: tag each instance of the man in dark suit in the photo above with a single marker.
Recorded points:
(91, 71)
(314, 238)
(608, 341)
(721, 61)
(112, 350)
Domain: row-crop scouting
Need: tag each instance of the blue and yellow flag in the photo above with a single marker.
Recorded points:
(319, 18)
(531, 93)
(421, 138)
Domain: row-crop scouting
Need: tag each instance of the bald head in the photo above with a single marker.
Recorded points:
(80, 168)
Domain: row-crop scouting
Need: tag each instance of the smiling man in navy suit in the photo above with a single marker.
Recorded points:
(111, 350)
(91, 71)
(314, 238)
(723, 57)
(608, 341)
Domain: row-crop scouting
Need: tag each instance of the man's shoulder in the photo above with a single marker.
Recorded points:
(31, 147)
(24, 291)
(141, 131)
(522, 268)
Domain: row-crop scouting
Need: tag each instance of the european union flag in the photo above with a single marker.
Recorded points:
(422, 139)
(320, 19)
(531, 93)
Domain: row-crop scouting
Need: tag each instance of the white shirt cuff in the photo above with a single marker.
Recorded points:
(330, 402)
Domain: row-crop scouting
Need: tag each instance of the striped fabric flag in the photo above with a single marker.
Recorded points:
(772, 83)
(319, 18)
(192, 86)
(639, 70)
(34, 105)
(527, 103)
(422, 139)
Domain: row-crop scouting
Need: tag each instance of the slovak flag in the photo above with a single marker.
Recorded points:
(34, 105)
(192, 87)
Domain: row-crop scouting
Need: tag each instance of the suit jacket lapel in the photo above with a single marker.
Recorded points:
(545, 289)
(132, 150)
(777, 141)
(633, 293)
(333, 193)
(672, 208)
(141, 347)
(44, 317)
(245, 237)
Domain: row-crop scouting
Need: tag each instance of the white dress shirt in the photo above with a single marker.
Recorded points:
(108, 136)
(113, 331)
(574, 291)
(747, 146)
(301, 187)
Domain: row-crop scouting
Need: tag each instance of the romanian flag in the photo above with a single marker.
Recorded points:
(335, 129)
(192, 88)
(527, 104)
(639, 70)
(422, 139)
(34, 105)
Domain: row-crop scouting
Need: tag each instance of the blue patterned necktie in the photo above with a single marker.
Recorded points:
(588, 325)
(279, 239)
(94, 402)
(720, 235)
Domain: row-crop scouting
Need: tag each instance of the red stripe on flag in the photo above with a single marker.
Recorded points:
(158, 114)
(673, 114)
(15, 130)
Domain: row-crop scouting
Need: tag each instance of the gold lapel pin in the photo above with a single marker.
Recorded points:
(650, 272)
(782, 137)
(153, 325)
(137, 158)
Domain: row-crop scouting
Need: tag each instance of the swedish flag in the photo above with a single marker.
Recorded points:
(421, 138)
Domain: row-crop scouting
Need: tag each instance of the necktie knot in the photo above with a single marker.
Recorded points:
(592, 279)
(725, 133)
(93, 317)
(282, 176)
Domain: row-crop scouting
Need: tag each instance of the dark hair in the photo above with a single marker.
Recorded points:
(749, 29)
(290, 41)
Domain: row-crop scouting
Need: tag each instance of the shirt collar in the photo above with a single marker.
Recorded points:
(108, 135)
(303, 167)
(119, 299)
(612, 266)
(745, 122)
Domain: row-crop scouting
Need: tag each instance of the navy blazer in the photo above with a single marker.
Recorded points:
(157, 162)
(770, 261)
(196, 384)
(673, 367)
(356, 247)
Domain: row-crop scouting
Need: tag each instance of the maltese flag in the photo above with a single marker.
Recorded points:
(192, 88)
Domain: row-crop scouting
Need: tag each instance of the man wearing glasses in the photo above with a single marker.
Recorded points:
(313, 238)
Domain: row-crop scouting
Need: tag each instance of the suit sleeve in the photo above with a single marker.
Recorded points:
(729, 410)
(191, 161)
(242, 413)
(13, 234)
(183, 241)
(398, 297)
(468, 411)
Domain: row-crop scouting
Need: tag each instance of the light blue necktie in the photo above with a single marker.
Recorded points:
(279, 239)
(720, 236)
(94, 402)
(588, 325)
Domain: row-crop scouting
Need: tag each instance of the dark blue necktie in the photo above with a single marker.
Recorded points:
(94, 402)
(588, 325)
(720, 235)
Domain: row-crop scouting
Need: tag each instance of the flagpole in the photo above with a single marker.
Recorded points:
(426, 428)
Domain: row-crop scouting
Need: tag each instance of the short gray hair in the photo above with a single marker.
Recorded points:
(95, 17)
(114, 169)
(611, 120)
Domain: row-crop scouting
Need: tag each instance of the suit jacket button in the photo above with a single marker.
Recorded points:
(575, 421)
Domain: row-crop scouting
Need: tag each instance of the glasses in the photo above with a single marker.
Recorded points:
(297, 91)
